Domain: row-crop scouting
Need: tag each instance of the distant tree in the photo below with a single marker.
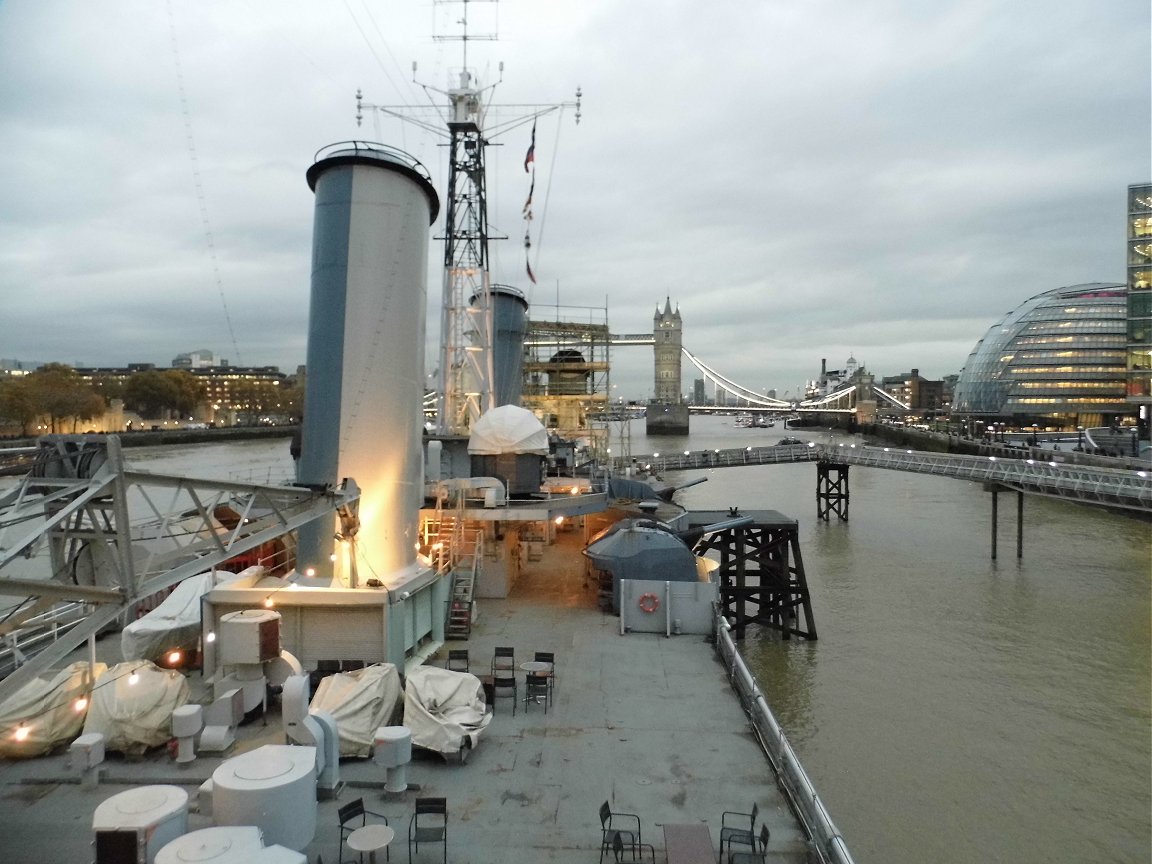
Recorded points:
(88, 407)
(17, 403)
(109, 386)
(189, 391)
(291, 403)
(151, 393)
(255, 398)
(61, 394)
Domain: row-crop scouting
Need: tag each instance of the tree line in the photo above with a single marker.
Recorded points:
(56, 394)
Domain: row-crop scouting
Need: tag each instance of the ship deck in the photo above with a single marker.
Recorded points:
(645, 722)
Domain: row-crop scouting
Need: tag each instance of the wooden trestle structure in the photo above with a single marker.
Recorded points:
(832, 490)
(761, 573)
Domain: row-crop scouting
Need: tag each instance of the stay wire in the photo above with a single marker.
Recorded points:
(200, 197)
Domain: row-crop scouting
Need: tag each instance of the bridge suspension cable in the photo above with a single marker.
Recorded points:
(732, 387)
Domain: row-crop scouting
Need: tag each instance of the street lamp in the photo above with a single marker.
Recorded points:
(1035, 434)
(1080, 438)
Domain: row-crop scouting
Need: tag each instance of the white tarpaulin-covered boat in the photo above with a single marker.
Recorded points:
(360, 702)
(445, 710)
(47, 707)
(135, 714)
(175, 623)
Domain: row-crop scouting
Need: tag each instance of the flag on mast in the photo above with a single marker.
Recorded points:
(530, 156)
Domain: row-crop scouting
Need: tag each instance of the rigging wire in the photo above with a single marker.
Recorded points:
(200, 197)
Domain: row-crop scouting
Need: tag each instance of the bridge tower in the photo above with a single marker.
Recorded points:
(667, 412)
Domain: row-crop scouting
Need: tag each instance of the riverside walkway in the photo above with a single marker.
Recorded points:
(1111, 487)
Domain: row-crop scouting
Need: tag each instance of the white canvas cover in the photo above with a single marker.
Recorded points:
(46, 705)
(443, 707)
(134, 717)
(361, 702)
(175, 623)
(508, 429)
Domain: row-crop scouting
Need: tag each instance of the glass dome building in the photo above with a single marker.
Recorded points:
(1059, 357)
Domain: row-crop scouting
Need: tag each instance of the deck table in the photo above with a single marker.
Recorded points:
(689, 844)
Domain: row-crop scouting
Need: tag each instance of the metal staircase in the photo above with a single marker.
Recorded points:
(459, 550)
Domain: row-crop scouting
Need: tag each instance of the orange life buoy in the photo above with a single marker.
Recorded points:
(649, 603)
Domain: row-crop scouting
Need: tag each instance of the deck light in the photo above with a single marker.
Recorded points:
(269, 602)
(80, 704)
(134, 678)
(310, 572)
(22, 731)
(211, 637)
(174, 657)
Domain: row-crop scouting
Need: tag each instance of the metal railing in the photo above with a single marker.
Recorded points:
(1115, 487)
(824, 839)
(37, 633)
(1087, 484)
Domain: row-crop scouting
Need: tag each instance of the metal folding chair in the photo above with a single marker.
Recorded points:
(429, 824)
(612, 830)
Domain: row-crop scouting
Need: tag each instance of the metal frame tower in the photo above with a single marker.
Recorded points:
(466, 371)
(466, 378)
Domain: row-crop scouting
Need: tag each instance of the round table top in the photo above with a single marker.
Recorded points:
(370, 838)
(535, 666)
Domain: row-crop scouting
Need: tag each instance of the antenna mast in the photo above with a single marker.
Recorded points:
(466, 361)
(466, 380)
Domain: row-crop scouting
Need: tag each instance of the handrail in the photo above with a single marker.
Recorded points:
(17, 646)
(827, 844)
(1113, 487)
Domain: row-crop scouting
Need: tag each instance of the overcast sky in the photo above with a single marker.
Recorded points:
(804, 178)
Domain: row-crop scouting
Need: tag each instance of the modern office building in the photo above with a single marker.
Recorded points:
(1058, 359)
(1139, 367)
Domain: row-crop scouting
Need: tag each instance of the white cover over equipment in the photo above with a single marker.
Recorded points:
(443, 707)
(508, 429)
(50, 700)
(360, 702)
(134, 717)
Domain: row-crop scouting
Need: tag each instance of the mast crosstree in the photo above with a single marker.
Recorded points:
(466, 376)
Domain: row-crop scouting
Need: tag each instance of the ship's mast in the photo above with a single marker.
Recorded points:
(466, 379)
(466, 370)
(466, 362)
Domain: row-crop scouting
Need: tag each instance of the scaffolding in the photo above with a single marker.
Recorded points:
(566, 374)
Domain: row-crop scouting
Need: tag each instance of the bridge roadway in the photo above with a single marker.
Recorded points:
(1110, 487)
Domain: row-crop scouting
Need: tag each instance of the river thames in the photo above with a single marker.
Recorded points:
(955, 709)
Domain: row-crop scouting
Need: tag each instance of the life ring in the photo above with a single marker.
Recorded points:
(649, 603)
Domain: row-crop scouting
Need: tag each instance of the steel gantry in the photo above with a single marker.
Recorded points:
(85, 537)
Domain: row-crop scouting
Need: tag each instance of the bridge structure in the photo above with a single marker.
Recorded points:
(845, 400)
(1122, 488)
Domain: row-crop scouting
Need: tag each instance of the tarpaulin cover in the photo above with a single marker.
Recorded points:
(175, 623)
(134, 717)
(443, 707)
(46, 705)
(360, 701)
(508, 429)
